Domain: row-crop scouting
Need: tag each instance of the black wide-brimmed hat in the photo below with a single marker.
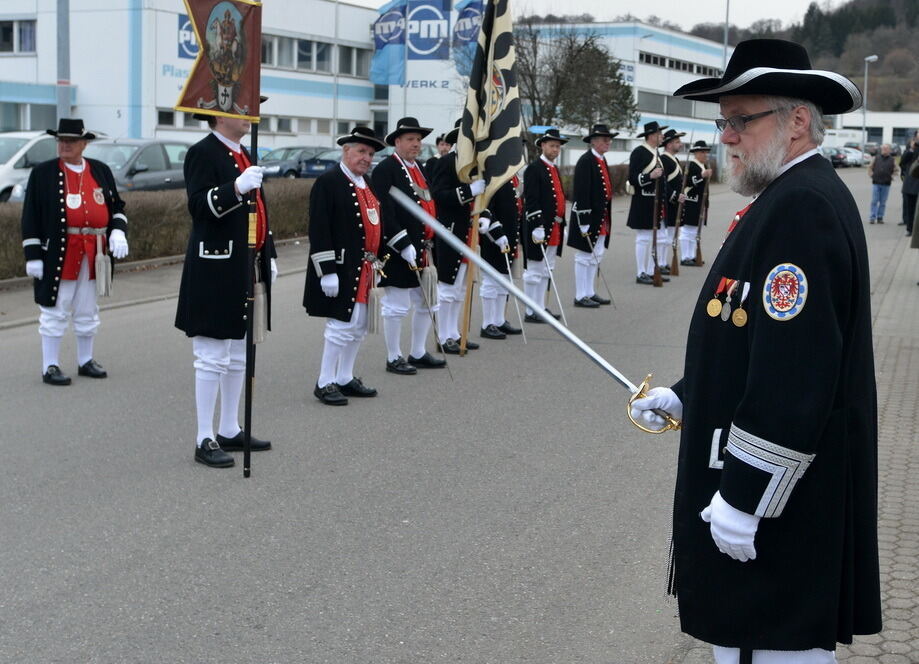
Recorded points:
(780, 68)
(650, 128)
(206, 116)
(600, 130)
(361, 134)
(71, 128)
(672, 134)
(439, 139)
(452, 135)
(700, 146)
(551, 134)
(406, 126)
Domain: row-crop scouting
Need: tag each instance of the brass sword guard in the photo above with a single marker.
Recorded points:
(670, 422)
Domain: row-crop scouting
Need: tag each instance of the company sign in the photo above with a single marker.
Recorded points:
(428, 28)
(188, 44)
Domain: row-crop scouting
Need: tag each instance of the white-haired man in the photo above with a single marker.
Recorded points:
(775, 515)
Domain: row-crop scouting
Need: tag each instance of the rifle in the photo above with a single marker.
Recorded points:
(655, 220)
(675, 261)
(703, 219)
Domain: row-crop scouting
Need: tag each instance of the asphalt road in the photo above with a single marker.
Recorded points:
(512, 515)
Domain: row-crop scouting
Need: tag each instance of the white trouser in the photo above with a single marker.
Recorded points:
(688, 235)
(219, 355)
(220, 368)
(450, 302)
(394, 306)
(644, 261)
(342, 341)
(814, 656)
(536, 277)
(664, 245)
(586, 265)
(76, 299)
(494, 300)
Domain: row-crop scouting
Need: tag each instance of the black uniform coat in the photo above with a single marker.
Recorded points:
(44, 221)
(695, 190)
(337, 244)
(539, 208)
(590, 204)
(212, 295)
(673, 180)
(505, 220)
(780, 416)
(453, 211)
(406, 229)
(641, 208)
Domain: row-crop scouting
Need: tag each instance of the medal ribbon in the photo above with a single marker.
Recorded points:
(367, 201)
(261, 224)
(726, 283)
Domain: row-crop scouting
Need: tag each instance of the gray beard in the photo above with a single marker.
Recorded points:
(760, 169)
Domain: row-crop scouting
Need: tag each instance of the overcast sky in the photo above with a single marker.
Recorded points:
(683, 13)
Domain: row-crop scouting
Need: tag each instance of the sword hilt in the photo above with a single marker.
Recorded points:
(670, 422)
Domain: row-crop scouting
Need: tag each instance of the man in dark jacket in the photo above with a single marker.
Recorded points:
(71, 204)
(910, 188)
(696, 183)
(212, 307)
(881, 171)
(645, 171)
(775, 515)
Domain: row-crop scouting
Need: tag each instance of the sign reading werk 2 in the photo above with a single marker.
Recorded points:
(225, 77)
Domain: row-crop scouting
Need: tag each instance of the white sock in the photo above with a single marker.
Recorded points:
(535, 292)
(421, 326)
(231, 387)
(328, 370)
(50, 352)
(488, 308)
(84, 349)
(448, 320)
(346, 363)
(582, 280)
(392, 332)
(207, 384)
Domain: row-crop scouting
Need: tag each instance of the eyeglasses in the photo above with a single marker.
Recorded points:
(739, 122)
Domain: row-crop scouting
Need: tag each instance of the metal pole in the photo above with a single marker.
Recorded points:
(336, 60)
(724, 57)
(63, 59)
(865, 108)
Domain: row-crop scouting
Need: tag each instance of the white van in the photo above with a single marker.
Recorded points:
(19, 152)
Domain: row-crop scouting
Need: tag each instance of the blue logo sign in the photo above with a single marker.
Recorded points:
(389, 29)
(188, 44)
(429, 30)
(467, 25)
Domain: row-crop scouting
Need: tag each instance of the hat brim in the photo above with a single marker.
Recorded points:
(832, 92)
(452, 136)
(543, 139)
(392, 136)
(589, 138)
(705, 149)
(648, 133)
(375, 143)
(673, 138)
(86, 136)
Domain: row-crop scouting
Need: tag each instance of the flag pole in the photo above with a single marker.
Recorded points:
(470, 276)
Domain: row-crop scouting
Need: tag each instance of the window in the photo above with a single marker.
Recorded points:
(362, 63)
(344, 127)
(268, 50)
(152, 157)
(305, 125)
(285, 52)
(166, 118)
(679, 106)
(304, 54)
(380, 123)
(42, 116)
(380, 92)
(323, 57)
(6, 36)
(17, 36)
(650, 101)
(323, 126)
(284, 125)
(176, 153)
(43, 150)
(9, 116)
(346, 60)
(26, 36)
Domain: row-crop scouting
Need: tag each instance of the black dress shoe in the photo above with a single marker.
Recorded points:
(665, 269)
(600, 300)
(586, 302)
(92, 369)
(450, 347)
(400, 366)
(533, 318)
(470, 345)
(356, 388)
(490, 332)
(691, 262)
(555, 316)
(54, 376)
(509, 329)
(235, 444)
(645, 279)
(427, 361)
(330, 395)
(210, 454)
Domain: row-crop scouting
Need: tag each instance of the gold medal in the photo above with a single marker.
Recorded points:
(739, 317)
(713, 308)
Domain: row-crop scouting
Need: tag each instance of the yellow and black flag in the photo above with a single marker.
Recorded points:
(225, 77)
(489, 139)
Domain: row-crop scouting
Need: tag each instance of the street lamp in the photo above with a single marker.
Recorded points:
(870, 58)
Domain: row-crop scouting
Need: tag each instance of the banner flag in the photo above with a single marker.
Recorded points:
(388, 64)
(490, 132)
(224, 78)
(465, 34)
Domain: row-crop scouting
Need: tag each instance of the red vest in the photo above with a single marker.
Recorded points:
(555, 236)
(91, 212)
(370, 211)
(607, 193)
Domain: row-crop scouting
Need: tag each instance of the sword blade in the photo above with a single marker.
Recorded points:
(414, 209)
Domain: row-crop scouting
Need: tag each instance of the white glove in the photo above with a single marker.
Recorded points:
(329, 285)
(539, 235)
(658, 397)
(484, 223)
(477, 187)
(410, 255)
(732, 530)
(118, 244)
(35, 269)
(502, 243)
(249, 179)
(274, 270)
(584, 228)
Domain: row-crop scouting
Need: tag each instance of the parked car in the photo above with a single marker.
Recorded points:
(836, 156)
(19, 152)
(142, 164)
(286, 162)
(320, 163)
(854, 157)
